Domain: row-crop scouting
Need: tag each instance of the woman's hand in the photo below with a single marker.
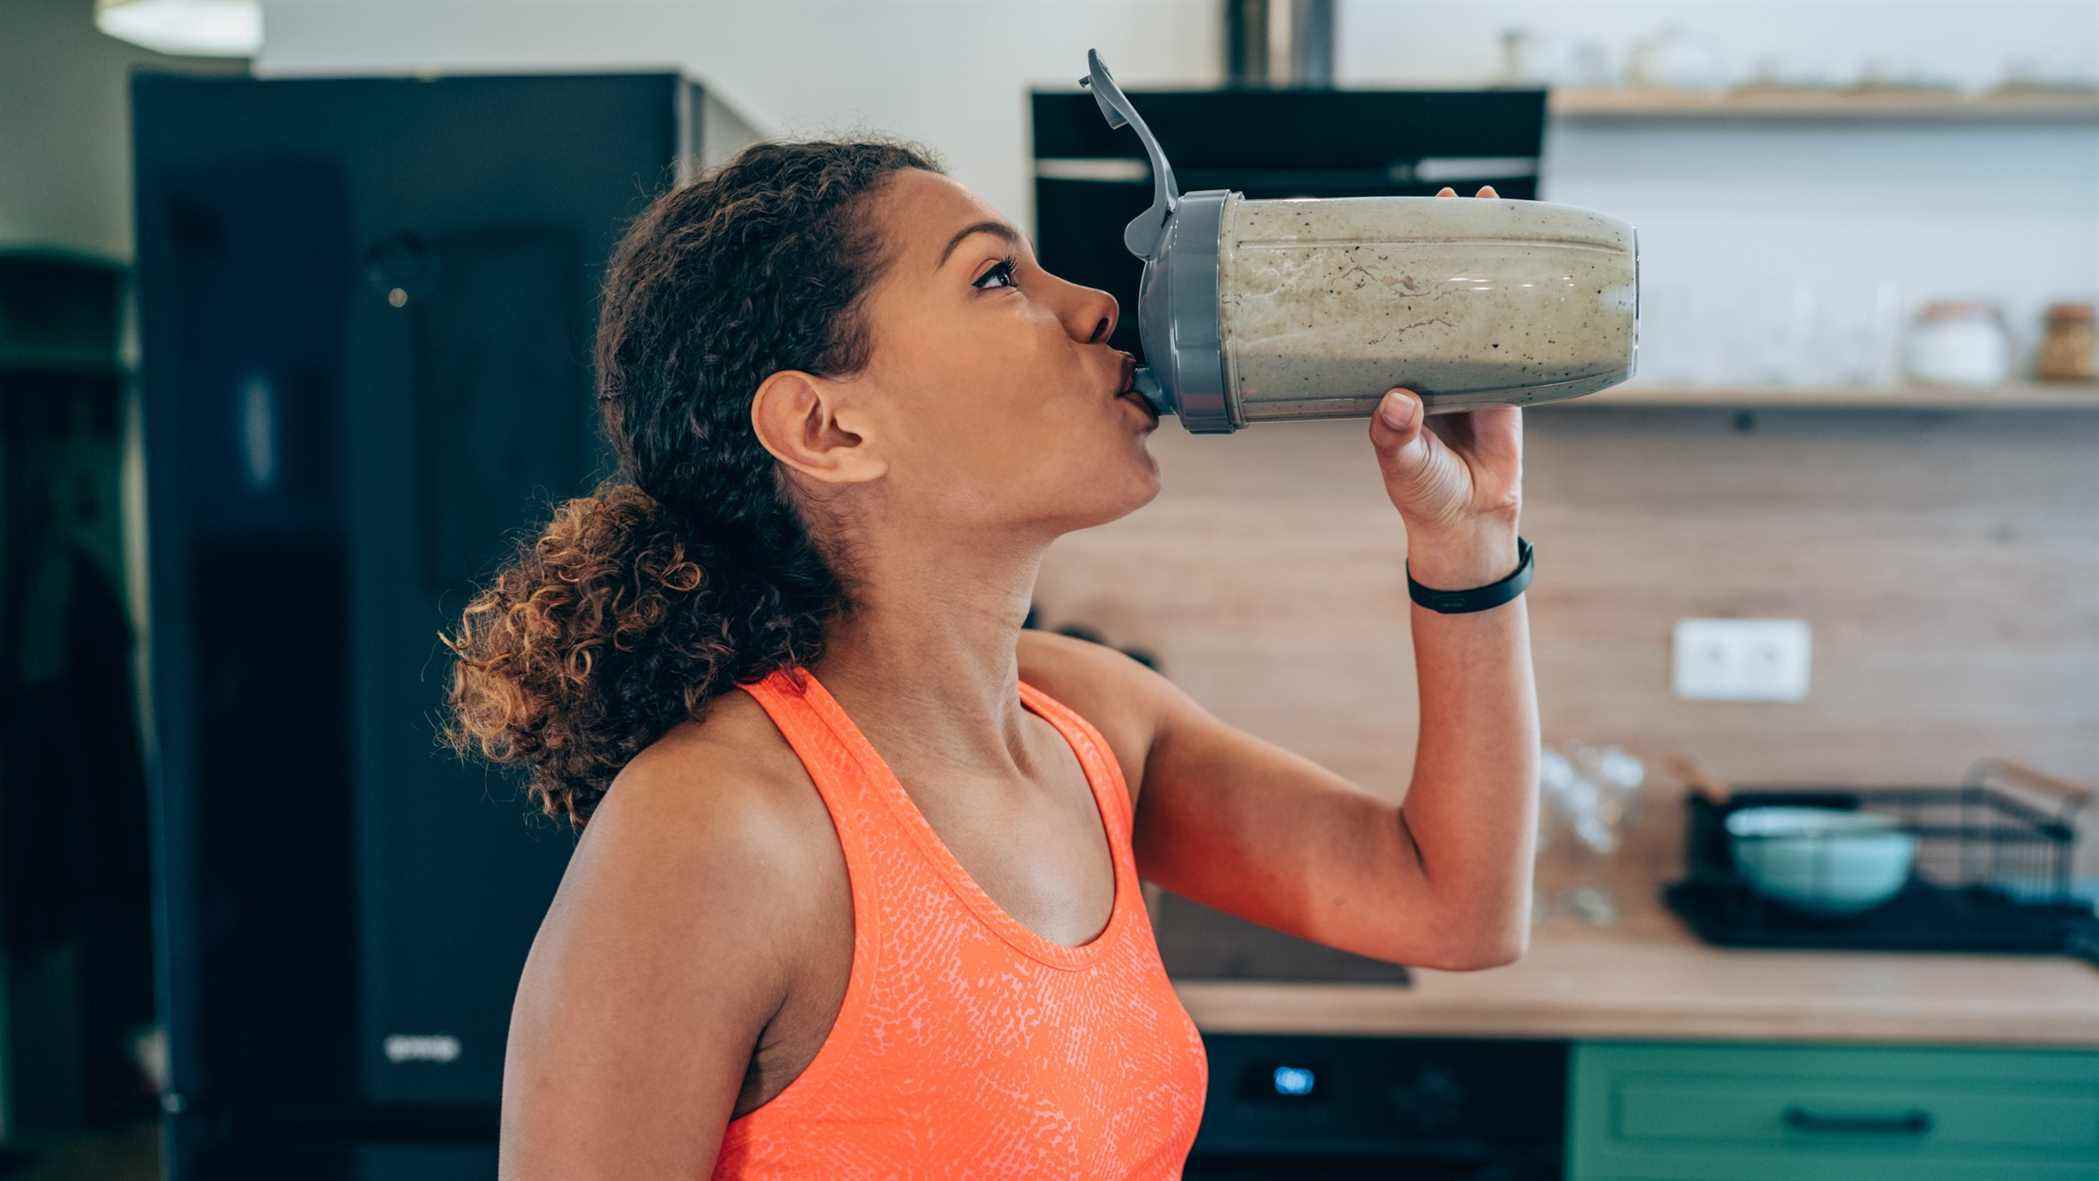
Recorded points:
(1458, 484)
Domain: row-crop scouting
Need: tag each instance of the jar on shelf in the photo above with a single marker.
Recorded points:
(1958, 342)
(2068, 345)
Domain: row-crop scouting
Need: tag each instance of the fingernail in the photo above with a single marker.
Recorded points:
(1397, 410)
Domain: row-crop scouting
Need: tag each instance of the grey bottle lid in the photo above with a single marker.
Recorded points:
(1177, 305)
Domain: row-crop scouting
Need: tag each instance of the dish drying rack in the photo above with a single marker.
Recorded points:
(1992, 871)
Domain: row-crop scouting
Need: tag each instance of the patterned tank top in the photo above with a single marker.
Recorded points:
(967, 1044)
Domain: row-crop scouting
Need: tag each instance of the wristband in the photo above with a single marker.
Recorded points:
(1479, 598)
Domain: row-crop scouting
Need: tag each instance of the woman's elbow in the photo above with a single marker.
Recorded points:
(1493, 942)
(1503, 951)
(1478, 955)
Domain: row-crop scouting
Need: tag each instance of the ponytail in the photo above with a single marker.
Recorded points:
(609, 628)
(693, 569)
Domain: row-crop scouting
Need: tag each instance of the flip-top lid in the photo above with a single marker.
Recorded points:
(1177, 307)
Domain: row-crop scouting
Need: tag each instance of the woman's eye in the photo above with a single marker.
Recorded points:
(1003, 273)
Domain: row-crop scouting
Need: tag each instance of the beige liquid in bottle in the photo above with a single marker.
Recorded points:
(1325, 304)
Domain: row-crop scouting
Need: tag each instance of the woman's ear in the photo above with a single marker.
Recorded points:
(796, 418)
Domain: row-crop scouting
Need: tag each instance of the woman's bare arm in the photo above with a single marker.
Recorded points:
(659, 963)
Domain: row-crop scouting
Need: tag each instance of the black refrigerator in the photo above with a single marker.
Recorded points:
(365, 315)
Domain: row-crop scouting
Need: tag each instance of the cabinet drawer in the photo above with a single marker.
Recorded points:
(1662, 1110)
(1851, 1112)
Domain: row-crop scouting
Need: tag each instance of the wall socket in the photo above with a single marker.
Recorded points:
(1741, 659)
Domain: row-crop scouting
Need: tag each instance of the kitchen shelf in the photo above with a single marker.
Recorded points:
(1831, 105)
(2016, 396)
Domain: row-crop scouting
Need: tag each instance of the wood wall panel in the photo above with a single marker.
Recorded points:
(1948, 564)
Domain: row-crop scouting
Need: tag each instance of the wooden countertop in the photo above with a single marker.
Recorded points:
(1621, 985)
(1647, 976)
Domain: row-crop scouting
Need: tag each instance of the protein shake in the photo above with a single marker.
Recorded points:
(1254, 311)
(1326, 304)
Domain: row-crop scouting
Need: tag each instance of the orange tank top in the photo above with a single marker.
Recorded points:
(967, 1044)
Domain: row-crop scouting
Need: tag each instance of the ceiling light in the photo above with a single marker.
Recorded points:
(210, 28)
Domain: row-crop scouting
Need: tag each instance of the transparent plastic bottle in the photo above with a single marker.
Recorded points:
(1326, 304)
(1255, 311)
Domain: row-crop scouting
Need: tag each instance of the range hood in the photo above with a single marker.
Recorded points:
(1279, 42)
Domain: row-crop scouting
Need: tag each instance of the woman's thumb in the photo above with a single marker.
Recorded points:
(1407, 452)
(1396, 431)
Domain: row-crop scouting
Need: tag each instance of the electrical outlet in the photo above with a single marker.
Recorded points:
(1741, 659)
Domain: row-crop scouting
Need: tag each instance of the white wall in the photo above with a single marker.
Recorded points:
(1766, 250)
(1746, 230)
(950, 73)
(65, 127)
(1966, 41)
(1764, 242)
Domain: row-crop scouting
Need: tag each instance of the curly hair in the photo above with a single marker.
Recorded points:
(691, 569)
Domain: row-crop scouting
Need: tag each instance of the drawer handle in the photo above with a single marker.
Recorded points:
(1914, 1122)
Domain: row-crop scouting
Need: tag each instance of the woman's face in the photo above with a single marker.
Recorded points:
(991, 402)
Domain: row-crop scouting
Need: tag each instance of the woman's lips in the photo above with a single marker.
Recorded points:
(1126, 390)
(1151, 416)
(1128, 372)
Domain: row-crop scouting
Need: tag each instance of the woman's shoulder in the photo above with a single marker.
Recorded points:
(693, 879)
(717, 806)
(730, 770)
(706, 828)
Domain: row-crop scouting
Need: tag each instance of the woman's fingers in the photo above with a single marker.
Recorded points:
(1424, 478)
(1486, 191)
(1447, 192)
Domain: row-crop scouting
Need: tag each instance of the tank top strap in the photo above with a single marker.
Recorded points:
(834, 765)
(1103, 772)
(857, 786)
(835, 768)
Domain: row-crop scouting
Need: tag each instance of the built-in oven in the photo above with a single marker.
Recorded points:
(1428, 1109)
(1316, 1105)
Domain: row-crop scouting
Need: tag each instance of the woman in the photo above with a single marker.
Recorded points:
(858, 894)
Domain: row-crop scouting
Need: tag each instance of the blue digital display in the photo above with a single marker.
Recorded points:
(1293, 1080)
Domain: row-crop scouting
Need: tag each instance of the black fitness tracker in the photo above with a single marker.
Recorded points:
(1479, 598)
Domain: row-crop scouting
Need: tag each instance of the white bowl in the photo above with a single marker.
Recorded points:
(1827, 861)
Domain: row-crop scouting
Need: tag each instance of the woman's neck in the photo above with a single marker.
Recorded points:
(927, 664)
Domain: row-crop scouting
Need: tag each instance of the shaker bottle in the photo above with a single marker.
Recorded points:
(1255, 311)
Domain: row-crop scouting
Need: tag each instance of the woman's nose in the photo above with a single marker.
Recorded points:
(1092, 315)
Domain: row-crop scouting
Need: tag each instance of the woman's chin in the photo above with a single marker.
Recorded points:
(1147, 483)
(1111, 500)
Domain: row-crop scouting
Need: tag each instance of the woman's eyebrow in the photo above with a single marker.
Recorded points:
(995, 228)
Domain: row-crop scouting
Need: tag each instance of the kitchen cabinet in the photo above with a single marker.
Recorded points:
(1726, 1112)
(1689, 1062)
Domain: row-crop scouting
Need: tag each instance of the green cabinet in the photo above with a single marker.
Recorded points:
(1676, 1111)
